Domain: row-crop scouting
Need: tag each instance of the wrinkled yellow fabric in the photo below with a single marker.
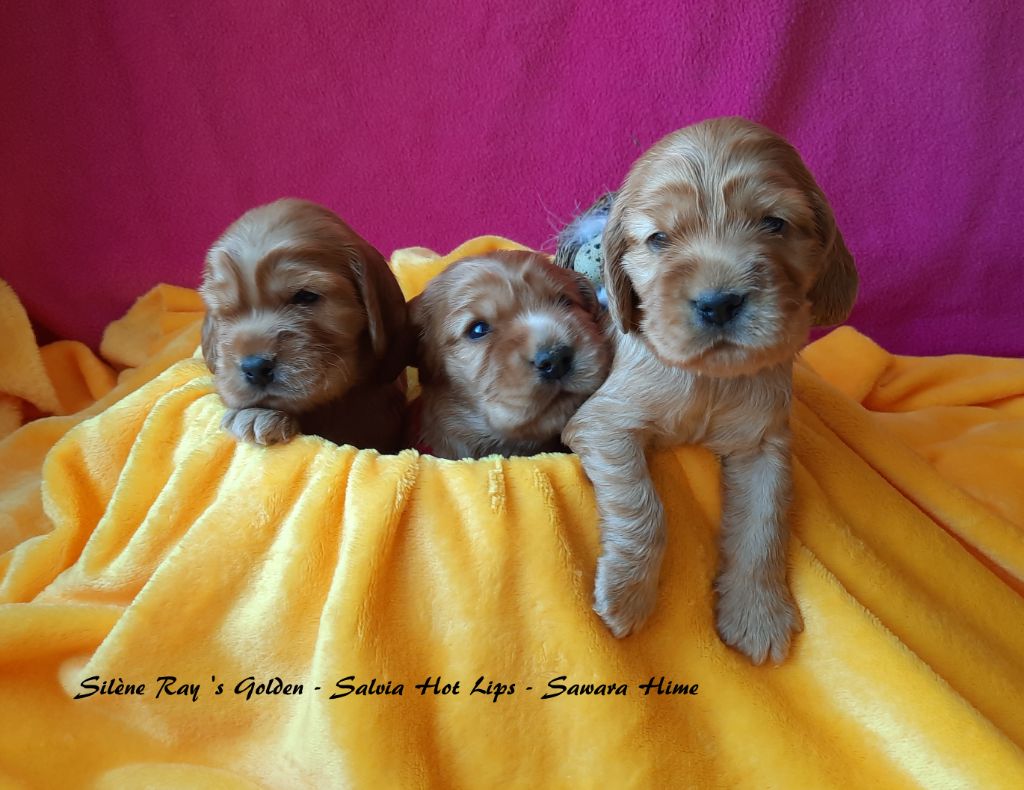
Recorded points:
(141, 541)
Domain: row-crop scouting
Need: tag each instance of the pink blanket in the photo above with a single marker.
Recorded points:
(133, 132)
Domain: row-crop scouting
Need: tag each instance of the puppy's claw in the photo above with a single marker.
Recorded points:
(260, 426)
(757, 619)
(624, 594)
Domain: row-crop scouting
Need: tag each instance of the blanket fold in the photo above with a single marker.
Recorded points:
(309, 615)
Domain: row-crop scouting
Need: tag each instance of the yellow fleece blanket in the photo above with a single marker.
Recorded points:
(180, 610)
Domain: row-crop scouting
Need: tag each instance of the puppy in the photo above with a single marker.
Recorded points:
(305, 329)
(720, 253)
(510, 346)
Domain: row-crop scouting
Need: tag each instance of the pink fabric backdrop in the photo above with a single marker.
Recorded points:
(133, 132)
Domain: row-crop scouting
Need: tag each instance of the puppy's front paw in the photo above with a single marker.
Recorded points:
(756, 618)
(625, 592)
(261, 426)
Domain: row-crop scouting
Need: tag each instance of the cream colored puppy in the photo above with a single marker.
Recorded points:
(720, 253)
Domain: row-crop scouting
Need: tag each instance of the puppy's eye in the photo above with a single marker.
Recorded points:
(305, 297)
(657, 241)
(773, 224)
(477, 330)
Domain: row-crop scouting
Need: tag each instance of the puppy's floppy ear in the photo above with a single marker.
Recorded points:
(588, 295)
(387, 315)
(209, 341)
(623, 302)
(417, 348)
(833, 294)
(208, 336)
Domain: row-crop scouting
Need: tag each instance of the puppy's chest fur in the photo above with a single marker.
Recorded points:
(367, 416)
(454, 429)
(676, 406)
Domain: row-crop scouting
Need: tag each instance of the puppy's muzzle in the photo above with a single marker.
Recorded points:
(257, 370)
(553, 363)
(718, 308)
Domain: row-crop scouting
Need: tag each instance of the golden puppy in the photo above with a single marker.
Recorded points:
(510, 346)
(306, 329)
(720, 253)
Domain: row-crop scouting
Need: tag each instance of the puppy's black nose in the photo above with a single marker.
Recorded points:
(718, 308)
(257, 370)
(553, 363)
